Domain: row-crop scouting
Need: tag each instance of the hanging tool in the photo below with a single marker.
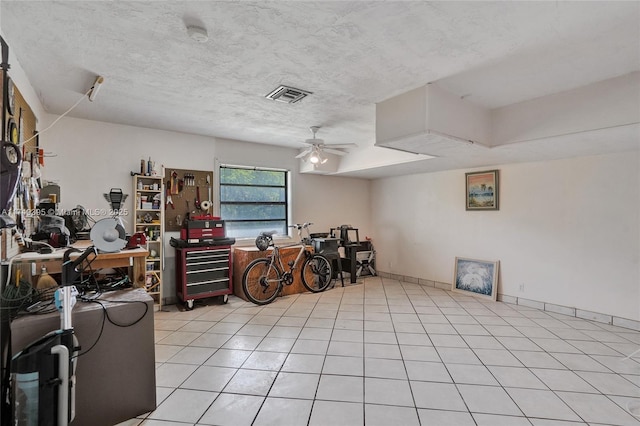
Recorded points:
(174, 184)
(197, 202)
(169, 199)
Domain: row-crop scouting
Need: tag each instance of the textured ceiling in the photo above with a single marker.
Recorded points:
(350, 54)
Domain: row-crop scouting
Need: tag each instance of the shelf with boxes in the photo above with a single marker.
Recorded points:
(149, 220)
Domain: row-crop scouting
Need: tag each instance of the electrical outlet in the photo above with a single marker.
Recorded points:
(522, 288)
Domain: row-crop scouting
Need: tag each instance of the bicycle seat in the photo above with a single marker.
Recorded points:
(269, 234)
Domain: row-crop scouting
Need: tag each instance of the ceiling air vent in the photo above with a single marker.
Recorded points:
(288, 94)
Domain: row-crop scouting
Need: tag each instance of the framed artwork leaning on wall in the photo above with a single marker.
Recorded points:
(476, 277)
(482, 190)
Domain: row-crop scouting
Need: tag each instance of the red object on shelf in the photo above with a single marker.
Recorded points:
(136, 240)
(205, 217)
(202, 229)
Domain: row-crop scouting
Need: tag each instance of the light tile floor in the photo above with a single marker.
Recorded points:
(383, 352)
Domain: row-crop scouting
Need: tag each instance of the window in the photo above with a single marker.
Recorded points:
(253, 200)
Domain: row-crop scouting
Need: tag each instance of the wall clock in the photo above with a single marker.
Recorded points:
(12, 131)
(11, 98)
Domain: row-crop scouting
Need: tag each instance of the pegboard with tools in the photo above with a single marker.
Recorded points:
(20, 126)
(188, 193)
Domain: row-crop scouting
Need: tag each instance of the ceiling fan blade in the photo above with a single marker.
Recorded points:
(341, 145)
(305, 152)
(334, 151)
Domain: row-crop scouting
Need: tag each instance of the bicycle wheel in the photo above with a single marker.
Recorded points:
(261, 281)
(316, 273)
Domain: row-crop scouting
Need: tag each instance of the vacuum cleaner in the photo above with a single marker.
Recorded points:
(43, 373)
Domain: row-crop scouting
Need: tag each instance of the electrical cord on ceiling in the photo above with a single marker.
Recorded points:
(60, 117)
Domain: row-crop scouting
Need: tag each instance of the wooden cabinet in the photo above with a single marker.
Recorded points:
(148, 213)
(203, 272)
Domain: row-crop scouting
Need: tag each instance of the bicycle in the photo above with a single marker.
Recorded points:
(264, 278)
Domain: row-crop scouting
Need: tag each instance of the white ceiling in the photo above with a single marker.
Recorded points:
(350, 54)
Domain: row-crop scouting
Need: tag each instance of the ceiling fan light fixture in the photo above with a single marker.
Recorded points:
(314, 158)
(316, 153)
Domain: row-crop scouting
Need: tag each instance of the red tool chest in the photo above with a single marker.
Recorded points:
(203, 272)
(202, 229)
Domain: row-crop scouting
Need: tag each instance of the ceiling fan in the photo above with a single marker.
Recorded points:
(315, 152)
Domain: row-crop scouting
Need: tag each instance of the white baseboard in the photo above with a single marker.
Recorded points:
(537, 304)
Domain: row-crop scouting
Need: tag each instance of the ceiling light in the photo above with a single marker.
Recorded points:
(198, 34)
(315, 157)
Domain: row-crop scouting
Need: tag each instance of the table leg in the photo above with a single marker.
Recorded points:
(139, 271)
(354, 264)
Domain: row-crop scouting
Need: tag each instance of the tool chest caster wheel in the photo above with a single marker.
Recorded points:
(188, 305)
(225, 298)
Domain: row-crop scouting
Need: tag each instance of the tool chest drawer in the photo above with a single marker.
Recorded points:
(202, 287)
(199, 256)
(203, 272)
(209, 274)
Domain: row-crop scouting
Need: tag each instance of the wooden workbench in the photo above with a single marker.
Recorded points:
(31, 263)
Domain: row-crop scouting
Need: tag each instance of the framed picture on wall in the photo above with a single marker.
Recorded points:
(476, 277)
(482, 190)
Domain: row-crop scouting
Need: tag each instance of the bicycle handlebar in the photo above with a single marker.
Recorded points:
(299, 226)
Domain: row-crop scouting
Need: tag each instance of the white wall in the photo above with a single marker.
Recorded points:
(567, 229)
(327, 201)
(93, 157)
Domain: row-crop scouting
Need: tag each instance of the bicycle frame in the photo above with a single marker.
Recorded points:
(264, 278)
(275, 256)
(277, 259)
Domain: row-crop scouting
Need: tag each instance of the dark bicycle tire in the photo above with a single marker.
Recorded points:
(316, 273)
(253, 281)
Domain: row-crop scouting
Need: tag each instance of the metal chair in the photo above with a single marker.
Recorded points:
(364, 261)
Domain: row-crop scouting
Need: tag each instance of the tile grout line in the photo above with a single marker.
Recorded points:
(464, 308)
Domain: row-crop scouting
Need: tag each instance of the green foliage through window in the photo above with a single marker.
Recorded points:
(253, 200)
